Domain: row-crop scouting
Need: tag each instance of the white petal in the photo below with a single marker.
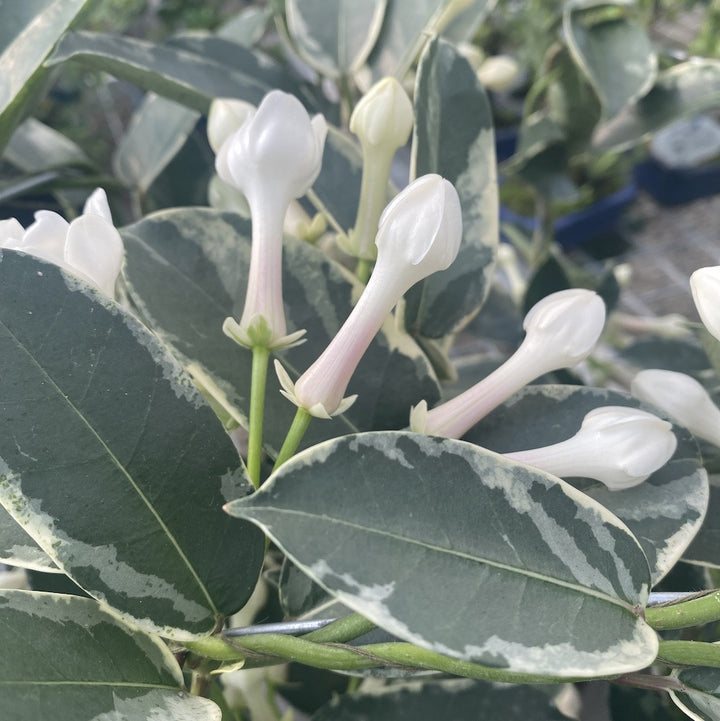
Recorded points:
(94, 248)
(45, 238)
(11, 233)
(97, 204)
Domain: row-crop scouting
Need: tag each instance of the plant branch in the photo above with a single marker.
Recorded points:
(294, 436)
(693, 612)
(261, 356)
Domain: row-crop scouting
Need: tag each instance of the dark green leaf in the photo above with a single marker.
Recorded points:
(112, 462)
(35, 147)
(701, 698)
(454, 138)
(462, 552)
(463, 26)
(664, 512)
(705, 548)
(453, 700)
(19, 549)
(65, 658)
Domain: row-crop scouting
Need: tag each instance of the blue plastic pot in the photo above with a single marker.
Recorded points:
(674, 186)
(577, 228)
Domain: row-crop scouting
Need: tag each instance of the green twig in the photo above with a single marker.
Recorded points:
(294, 436)
(343, 630)
(261, 356)
(693, 612)
(689, 653)
(362, 271)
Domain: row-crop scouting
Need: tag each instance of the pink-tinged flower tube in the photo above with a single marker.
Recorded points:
(616, 445)
(90, 246)
(273, 158)
(419, 234)
(705, 287)
(561, 330)
(681, 397)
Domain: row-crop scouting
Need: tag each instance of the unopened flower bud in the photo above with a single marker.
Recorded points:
(272, 159)
(382, 120)
(681, 397)
(419, 234)
(498, 72)
(561, 330)
(226, 116)
(705, 287)
(90, 246)
(616, 445)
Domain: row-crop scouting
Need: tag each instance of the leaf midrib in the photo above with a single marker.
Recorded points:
(439, 549)
(114, 459)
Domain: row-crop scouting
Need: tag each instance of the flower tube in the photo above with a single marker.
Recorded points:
(382, 120)
(419, 234)
(681, 397)
(616, 445)
(273, 158)
(705, 287)
(561, 330)
(90, 246)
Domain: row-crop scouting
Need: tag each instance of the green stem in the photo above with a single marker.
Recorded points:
(341, 631)
(362, 271)
(650, 681)
(294, 436)
(200, 684)
(689, 653)
(269, 649)
(261, 356)
(693, 612)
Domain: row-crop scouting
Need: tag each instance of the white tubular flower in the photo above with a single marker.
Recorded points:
(419, 234)
(90, 246)
(616, 445)
(705, 287)
(382, 120)
(681, 397)
(272, 159)
(561, 330)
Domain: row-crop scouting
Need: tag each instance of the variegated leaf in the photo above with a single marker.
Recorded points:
(66, 658)
(188, 271)
(334, 38)
(19, 549)
(454, 138)
(665, 512)
(174, 72)
(111, 460)
(705, 547)
(700, 699)
(614, 52)
(460, 551)
(29, 32)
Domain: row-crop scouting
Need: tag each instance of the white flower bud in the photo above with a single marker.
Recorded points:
(616, 445)
(383, 116)
(90, 247)
(498, 72)
(561, 330)
(272, 159)
(420, 233)
(705, 287)
(681, 397)
(226, 116)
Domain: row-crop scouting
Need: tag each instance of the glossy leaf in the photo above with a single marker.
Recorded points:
(112, 462)
(28, 32)
(179, 74)
(334, 38)
(157, 131)
(441, 543)
(19, 549)
(682, 90)
(406, 25)
(35, 147)
(66, 658)
(458, 700)
(615, 52)
(701, 698)
(664, 512)
(188, 271)
(705, 548)
(454, 138)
